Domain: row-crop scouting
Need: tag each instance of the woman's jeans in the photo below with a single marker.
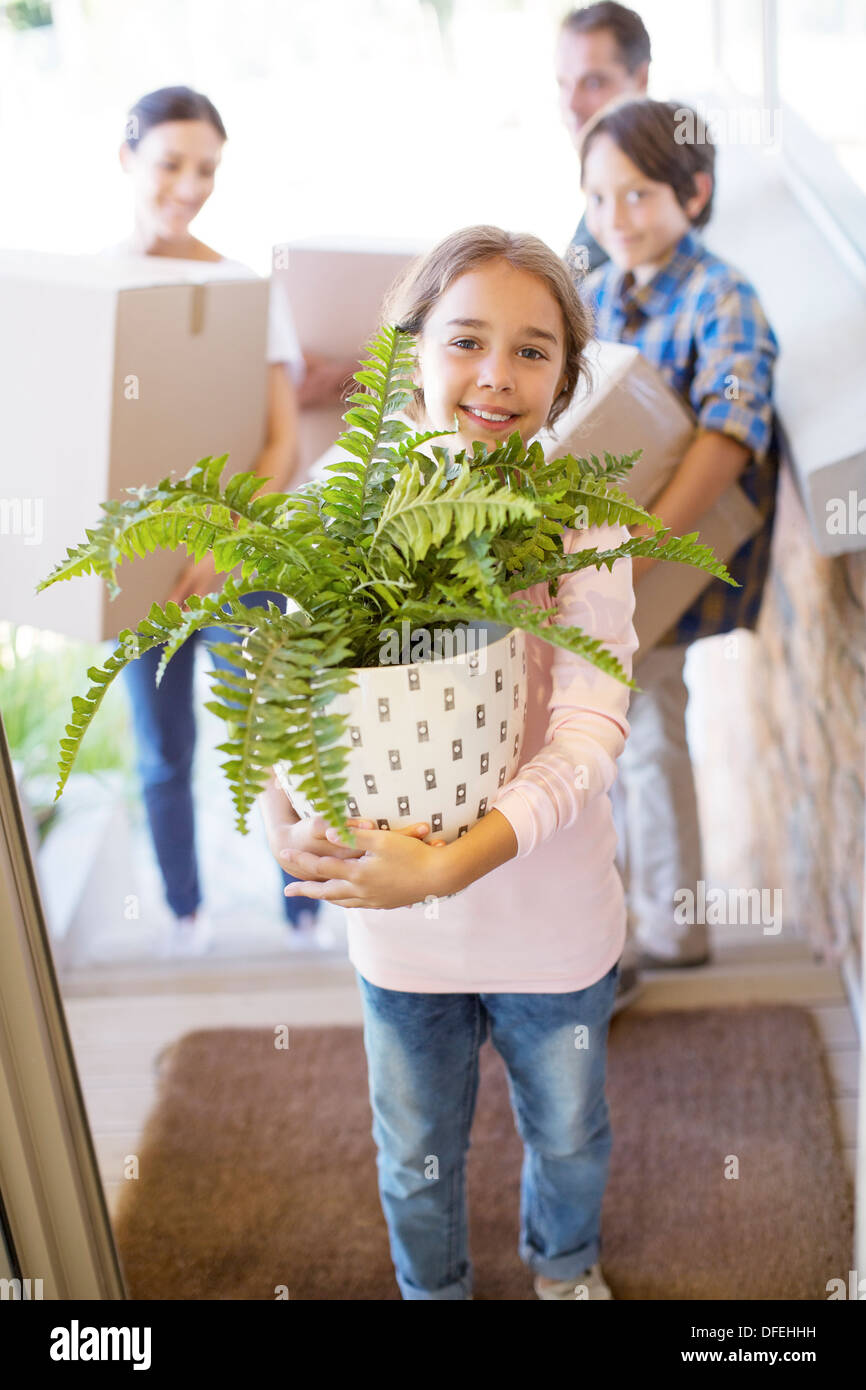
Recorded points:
(164, 724)
(422, 1063)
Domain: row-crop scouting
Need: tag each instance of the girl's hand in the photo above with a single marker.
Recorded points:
(390, 868)
(308, 836)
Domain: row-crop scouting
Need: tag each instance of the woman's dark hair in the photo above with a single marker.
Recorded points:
(170, 104)
(667, 141)
(629, 34)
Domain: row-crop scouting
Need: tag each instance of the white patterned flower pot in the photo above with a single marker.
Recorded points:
(432, 740)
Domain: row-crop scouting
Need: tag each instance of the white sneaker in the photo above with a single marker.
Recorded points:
(188, 936)
(590, 1284)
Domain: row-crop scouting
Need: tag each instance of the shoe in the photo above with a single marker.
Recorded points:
(590, 1284)
(648, 961)
(188, 936)
(628, 986)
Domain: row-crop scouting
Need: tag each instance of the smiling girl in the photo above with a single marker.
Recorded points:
(527, 948)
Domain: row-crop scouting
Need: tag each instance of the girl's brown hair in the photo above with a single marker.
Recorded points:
(411, 299)
(667, 141)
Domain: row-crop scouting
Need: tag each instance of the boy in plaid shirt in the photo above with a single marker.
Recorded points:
(648, 171)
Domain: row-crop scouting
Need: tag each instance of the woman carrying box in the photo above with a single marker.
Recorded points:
(173, 146)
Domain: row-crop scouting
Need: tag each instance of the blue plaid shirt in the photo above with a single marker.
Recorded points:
(701, 325)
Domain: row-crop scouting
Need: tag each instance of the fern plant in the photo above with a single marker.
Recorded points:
(394, 534)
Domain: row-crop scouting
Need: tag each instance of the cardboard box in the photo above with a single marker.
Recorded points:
(335, 288)
(115, 372)
(627, 406)
(630, 406)
(669, 589)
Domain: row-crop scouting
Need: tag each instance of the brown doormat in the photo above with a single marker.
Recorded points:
(258, 1168)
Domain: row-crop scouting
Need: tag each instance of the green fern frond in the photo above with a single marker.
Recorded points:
(417, 517)
(471, 563)
(204, 612)
(572, 639)
(595, 503)
(190, 512)
(537, 546)
(684, 549)
(374, 437)
(84, 707)
(413, 443)
(278, 536)
(534, 619)
(168, 627)
(277, 713)
(571, 467)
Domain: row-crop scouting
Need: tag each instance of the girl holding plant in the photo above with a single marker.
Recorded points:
(516, 927)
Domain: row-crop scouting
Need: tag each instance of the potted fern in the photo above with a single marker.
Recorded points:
(400, 538)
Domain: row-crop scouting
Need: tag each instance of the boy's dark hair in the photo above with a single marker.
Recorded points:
(170, 104)
(630, 35)
(667, 141)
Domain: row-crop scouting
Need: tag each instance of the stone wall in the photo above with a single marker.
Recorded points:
(782, 798)
(809, 700)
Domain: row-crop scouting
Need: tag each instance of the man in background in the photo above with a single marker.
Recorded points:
(602, 52)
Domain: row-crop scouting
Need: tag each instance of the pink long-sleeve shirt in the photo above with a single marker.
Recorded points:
(552, 918)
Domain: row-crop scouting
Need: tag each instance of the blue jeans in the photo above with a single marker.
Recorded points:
(164, 725)
(422, 1064)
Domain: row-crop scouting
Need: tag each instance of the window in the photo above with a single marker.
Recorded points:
(803, 60)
